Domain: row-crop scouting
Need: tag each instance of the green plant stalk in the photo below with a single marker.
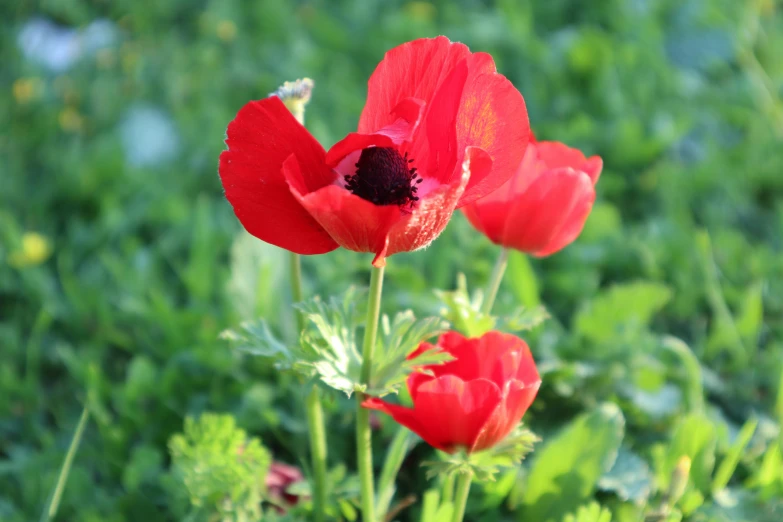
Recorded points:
(394, 457)
(494, 281)
(314, 409)
(54, 503)
(447, 490)
(315, 420)
(363, 431)
(461, 497)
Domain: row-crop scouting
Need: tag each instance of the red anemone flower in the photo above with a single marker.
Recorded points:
(545, 205)
(473, 401)
(391, 187)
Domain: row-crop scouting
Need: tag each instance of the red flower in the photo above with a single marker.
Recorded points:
(544, 206)
(473, 401)
(393, 185)
(278, 478)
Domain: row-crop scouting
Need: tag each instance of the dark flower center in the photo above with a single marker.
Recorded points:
(383, 177)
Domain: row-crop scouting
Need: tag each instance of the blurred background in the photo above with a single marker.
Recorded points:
(121, 262)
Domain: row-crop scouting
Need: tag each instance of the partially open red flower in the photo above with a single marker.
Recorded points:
(392, 186)
(279, 477)
(473, 401)
(545, 205)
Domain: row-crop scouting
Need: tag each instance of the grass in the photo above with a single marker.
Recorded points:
(121, 263)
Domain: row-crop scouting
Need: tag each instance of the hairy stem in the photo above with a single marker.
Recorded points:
(461, 497)
(363, 431)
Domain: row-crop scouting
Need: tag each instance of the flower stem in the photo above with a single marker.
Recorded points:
(363, 432)
(494, 281)
(461, 498)
(315, 419)
(315, 413)
(296, 287)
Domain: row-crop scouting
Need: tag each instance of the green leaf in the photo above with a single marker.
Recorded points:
(695, 436)
(217, 467)
(398, 339)
(592, 512)
(566, 471)
(523, 319)
(730, 461)
(734, 505)
(623, 309)
(484, 465)
(630, 478)
(463, 312)
(257, 274)
(751, 316)
(329, 344)
(255, 338)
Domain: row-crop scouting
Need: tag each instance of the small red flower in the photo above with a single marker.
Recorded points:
(392, 186)
(278, 478)
(545, 205)
(473, 401)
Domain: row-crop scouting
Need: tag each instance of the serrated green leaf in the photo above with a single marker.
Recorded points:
(329, 344)
(566, 471)
(255, 338)
(524, 319)
(463, 312)
(484, 465)
(398, 339)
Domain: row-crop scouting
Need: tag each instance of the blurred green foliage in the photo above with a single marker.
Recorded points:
(120, 262)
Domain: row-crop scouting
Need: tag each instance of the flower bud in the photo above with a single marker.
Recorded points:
(679, 480)
(295, 95)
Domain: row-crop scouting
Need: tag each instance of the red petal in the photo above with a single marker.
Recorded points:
(551, 213)
(448, 412)
(555, 154)
(427, 221)
(493, 117)
(354, 223)
(353, 142)
(408, 417)
(518, 398)
(412, 70)
(494, 356)
(259, 139)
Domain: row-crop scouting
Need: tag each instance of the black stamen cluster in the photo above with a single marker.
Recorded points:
(383, 177)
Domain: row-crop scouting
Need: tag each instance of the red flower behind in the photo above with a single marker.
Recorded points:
(392, 186)
(473, 401)
(545, 205)
(279, 477)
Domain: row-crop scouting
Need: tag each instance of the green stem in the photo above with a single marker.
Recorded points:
(315, 419)
(296, 287)
(494, 281)
(54, 503)
(315, 412)
(363, 432)
(447, 490)
(461, 498)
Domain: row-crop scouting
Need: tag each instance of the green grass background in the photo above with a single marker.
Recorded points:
(682, 99)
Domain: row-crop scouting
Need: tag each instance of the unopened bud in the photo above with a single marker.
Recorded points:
(679, 480)
(295, 96)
